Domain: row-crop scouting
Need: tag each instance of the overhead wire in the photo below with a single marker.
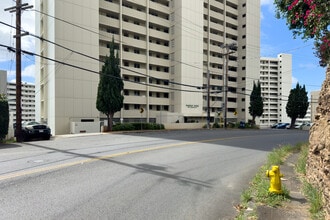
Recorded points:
(92, 71)
(99, 34)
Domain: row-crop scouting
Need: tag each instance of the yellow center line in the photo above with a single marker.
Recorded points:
(61, 166)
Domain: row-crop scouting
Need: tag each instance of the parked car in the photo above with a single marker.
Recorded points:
(306, 126)
(299, 125)
(282, 125)
(274, 125)
(33, 129)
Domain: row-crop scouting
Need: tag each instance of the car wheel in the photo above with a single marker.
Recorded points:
(47, 137)
(25, 137)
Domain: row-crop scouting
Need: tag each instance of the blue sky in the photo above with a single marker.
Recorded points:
(275, 39)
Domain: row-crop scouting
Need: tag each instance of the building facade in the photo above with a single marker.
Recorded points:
(170, 51)
(27, 101)
(276, 83)
(314, 102)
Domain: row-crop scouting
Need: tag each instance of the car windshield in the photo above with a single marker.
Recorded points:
(31, 123)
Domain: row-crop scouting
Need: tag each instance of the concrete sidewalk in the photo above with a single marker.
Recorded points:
(297, 207)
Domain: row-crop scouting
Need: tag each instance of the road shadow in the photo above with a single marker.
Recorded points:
(138, 168)
(242, 138)
(8, 146)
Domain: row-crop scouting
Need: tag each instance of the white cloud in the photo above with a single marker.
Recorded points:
(6, 33)
(27, 72)
(267, 50)
(294, 81)
(266, 2)
(269, 4)
(308, 65)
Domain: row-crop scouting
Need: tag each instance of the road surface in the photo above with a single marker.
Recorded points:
(196, 174)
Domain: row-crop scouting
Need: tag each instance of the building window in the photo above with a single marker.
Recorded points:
(136, 65)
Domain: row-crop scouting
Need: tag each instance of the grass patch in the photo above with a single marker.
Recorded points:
(258, 190)
(315, 199)
(302, 160)
(312, 194)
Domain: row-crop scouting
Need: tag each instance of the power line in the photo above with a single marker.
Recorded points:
(92, 71)
(96, 59)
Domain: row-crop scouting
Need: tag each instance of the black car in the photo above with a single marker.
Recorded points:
(33, 129)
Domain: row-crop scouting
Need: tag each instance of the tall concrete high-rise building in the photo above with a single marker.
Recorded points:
(314, 102)
(3, 82)
(27, 99)
(276, 83)
(167, 50)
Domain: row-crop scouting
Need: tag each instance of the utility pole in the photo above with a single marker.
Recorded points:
(18, 9)
(225, 80)
(208, 99)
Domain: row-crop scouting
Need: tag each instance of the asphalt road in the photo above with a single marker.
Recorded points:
(196, 174)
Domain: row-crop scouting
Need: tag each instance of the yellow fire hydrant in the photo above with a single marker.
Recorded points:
(275, 180)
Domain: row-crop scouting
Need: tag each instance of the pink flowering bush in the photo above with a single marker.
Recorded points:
(309, 19)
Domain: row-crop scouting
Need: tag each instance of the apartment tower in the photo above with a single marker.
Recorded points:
(276, 83)
(170, 51)
(27, 99)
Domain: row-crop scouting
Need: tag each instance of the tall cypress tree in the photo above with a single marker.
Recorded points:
(256, 107)
(109, 95)
(297, 104)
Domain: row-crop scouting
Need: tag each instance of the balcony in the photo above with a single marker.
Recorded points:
(134, 13)
(110, 6)
(135, 28)
(159, 21)
(109, 22)
(137, 43)
(159, 34)
(140, 58)
(159, 48)
(159, 61)
(135, 100)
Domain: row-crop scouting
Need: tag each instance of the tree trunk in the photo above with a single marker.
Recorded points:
(293, 122)
(254, 120)
(110, 117)
(108, 120)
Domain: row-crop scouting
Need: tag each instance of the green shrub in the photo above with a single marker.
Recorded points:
(123, 127)
(4, 116)
(137, 126)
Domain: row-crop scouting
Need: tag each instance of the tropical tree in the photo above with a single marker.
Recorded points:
(297, 104)
(310, 19)
(109, 95)
(4, 116)
(256, 107)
